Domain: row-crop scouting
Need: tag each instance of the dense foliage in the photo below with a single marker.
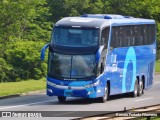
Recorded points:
(25, 26)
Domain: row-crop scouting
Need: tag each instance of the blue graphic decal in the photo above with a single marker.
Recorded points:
(130, 57)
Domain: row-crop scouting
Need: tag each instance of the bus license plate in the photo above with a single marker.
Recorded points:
(68, 93)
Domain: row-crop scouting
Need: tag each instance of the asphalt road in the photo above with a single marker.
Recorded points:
(75, 107)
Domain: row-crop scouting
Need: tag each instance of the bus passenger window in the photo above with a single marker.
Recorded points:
(128, 41)
(151, 32)
(119, 42)
(105, 36)
(140, 40)
(136, 41)
(127, 35)
(141, 35)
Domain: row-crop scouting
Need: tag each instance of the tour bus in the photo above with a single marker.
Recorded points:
(99, 55)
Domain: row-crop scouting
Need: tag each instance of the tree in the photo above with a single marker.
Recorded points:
(24, 59)
(23, 19)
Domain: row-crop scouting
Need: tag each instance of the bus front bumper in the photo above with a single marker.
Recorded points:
(77, 89)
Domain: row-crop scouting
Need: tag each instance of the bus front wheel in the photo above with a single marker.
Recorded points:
(106, 95)
(61, 99)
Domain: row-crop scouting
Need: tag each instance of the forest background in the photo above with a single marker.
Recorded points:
(26, 25)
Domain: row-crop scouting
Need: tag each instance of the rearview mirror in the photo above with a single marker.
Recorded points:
(43, 52)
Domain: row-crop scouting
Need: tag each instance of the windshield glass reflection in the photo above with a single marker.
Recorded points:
(74, 37)
(71, 66)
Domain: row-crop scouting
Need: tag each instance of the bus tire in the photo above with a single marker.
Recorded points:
(106, 95)
(135, 91)
(140, 88)
(61, 99)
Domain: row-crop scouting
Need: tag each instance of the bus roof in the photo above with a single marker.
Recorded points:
(102, 20)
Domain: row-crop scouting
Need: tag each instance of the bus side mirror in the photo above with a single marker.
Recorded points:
(43, 52)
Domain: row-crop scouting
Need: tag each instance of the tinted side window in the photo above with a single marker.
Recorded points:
(117, 38)
(150, 34)
(132, 35)
(128, 35)
(138, 35)
(105, 36)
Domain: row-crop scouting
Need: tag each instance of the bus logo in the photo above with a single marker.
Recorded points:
(69, 87)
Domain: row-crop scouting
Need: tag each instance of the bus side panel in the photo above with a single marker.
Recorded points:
(127, 63)
(126, 66)
(145, 63)
(114, 69)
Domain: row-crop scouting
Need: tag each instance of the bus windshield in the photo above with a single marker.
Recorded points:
(75, 37)
(71, 66)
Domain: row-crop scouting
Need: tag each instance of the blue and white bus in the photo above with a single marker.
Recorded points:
(98, 55)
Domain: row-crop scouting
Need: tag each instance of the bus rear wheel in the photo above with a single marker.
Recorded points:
(61, 99)
(140, 88)
(106, 95)
(136, 89)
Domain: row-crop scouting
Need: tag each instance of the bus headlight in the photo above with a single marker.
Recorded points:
(50, 90)
(92, 85)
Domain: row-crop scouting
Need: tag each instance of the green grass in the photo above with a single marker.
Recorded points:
(157, 66)
(12, 88)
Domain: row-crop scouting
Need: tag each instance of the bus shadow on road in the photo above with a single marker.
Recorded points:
(77, 101)
(120, 96)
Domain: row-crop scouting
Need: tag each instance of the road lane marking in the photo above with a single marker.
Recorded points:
(157, 83)
(144, 99)
(27, 104)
